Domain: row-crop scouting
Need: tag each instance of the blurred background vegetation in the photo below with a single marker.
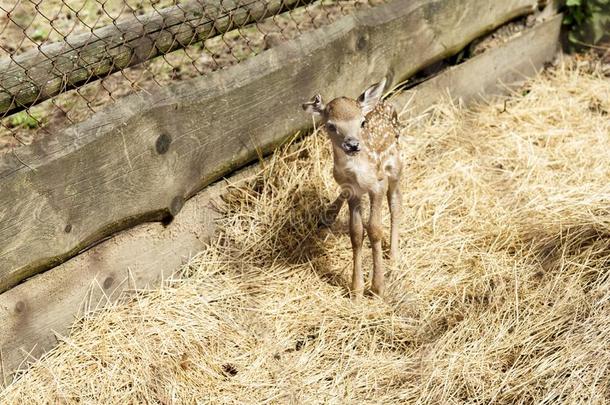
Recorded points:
(588, 23)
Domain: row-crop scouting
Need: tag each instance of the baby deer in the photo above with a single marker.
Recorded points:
(364, 135)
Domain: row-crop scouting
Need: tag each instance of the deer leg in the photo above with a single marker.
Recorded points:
(356, 232)
(395, 204)
(375, 232)
(330, 215)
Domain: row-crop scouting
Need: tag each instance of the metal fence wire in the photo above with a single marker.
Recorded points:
(62, 60)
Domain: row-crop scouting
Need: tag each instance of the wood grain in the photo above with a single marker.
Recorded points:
(35, 310)
(495, 72)
(140, 159)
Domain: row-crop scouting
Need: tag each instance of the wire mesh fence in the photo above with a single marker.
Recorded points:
(62, 60)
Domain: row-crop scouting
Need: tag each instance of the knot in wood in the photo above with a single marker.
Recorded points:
(162, 144)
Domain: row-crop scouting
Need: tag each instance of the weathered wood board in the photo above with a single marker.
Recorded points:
(477, 80)
(32, 312)
(40, 74)
(140, 159)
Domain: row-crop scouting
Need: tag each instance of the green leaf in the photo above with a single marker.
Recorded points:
(573, 37)
(573, 3)
(579, 16)
(39, 34)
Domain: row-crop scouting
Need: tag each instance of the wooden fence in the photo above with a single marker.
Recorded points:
(149, 156)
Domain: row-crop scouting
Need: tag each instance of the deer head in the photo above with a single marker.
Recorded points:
(344, 117)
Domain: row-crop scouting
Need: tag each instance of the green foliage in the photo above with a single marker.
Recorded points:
(25, 120)
(588, 21)
(39, 34)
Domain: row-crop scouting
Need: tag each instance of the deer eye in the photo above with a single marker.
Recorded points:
(331, 127)
(363, 124)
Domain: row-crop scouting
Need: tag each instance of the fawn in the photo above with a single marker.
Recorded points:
(364, 135)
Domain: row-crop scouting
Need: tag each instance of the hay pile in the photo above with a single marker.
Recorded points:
(502, 294)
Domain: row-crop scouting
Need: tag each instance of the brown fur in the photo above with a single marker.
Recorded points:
(342, 109)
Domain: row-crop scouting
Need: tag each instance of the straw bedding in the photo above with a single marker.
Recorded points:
(502, 294)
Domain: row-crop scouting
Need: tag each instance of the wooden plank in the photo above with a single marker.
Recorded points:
(488, 74)
(140, 159)
(32, 311)
(42, 73)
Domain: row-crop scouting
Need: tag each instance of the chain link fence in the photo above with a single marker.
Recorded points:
(62, 60)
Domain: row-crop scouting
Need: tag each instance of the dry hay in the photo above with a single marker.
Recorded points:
(502, 295)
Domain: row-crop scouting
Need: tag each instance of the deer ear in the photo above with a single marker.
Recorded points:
(371, 96)
(315, 106)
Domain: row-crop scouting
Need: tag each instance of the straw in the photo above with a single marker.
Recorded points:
(502, 293)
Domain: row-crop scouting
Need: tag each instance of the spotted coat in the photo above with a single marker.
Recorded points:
(380, 135)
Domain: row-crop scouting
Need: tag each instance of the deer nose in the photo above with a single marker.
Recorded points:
(351, 145)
